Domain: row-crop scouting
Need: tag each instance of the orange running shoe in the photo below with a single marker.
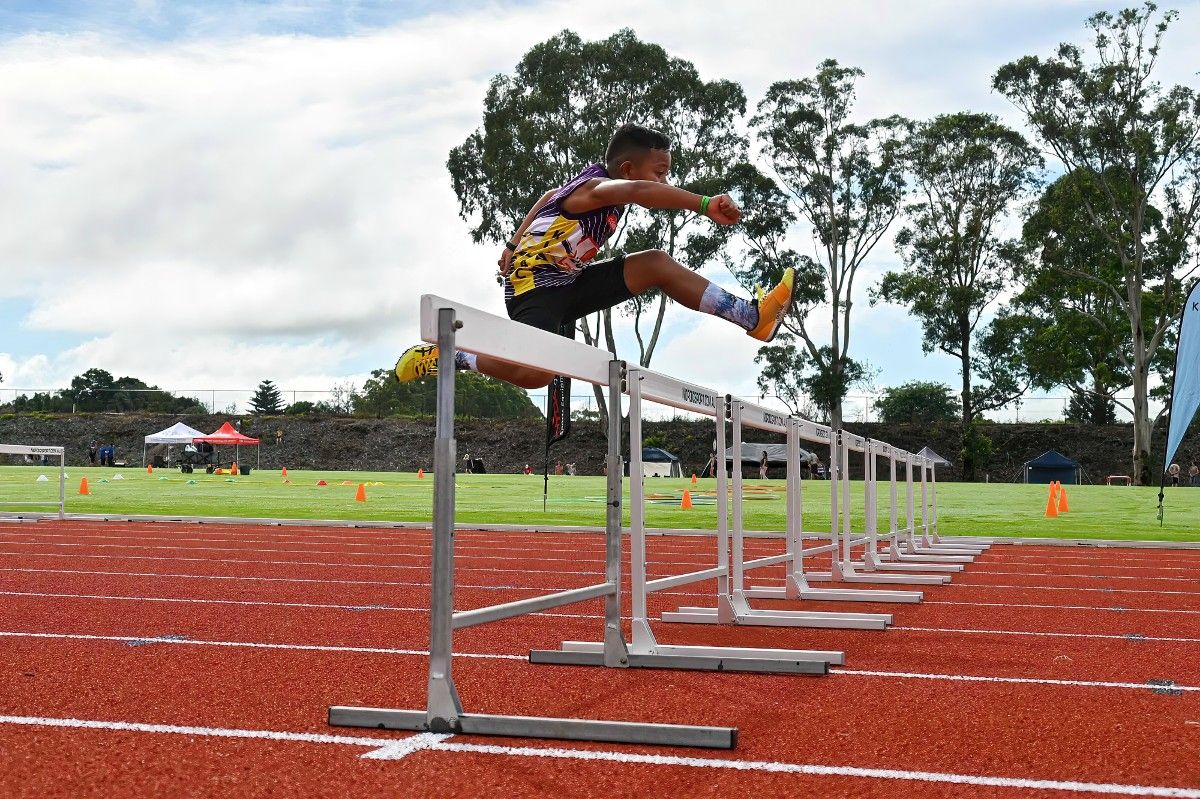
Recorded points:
(773, 307)
(417, 362)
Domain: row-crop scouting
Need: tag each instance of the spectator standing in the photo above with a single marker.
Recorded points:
(762, 466)
(1194, 475)
(92, 453)
(1173, 470)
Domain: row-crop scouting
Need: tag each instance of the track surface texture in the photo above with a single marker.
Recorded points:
(170, 659)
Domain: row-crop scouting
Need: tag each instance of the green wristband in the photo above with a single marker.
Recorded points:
(704, 201)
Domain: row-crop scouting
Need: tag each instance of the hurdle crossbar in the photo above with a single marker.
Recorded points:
(452, 325)
(644, 648)
(743, 413)
(57, 452)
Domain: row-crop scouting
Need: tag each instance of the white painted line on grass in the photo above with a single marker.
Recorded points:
(398, 749)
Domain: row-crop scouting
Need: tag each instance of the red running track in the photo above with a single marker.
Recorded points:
(199, 660)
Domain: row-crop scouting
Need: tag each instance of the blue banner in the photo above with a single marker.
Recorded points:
(1185, 390)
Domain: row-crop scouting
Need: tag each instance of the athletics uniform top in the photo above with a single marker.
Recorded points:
(558, 244)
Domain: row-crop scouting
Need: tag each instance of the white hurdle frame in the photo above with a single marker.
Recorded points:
(644, 649)
(796, 586)
(930, 542)
(60, 453)
(481, 333)
(870, 563)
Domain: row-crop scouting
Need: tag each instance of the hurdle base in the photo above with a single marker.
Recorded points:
(786, 618)
(536, 727)
(696, 658)
(907, 557)
(836, 595)
(850, 574)
(916, 566)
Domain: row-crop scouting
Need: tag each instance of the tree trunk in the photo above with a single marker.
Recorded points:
(968, 405)
(593, 340)
(1142, 470)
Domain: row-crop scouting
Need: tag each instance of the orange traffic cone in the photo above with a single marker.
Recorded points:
(693, 478)
(1051, 510)
(1063, 507)
(234, 469)
(686, 502)
(361, 496)
(83, 489)
(149, 469)
(284, 472)
(420, 474)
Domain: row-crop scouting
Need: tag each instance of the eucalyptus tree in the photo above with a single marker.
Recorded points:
(968, 172)
(844, 180)
(1108, 118)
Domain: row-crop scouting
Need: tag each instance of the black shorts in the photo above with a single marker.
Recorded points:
(600, 285)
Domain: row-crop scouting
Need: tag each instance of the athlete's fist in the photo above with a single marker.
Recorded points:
(723, 210)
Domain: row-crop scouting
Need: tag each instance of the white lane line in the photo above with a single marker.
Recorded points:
(826, 771)
(391, 750)
(425, 610)
(1153, 687)
(1068, 575)
(1125, 637)
(151, 639)
(1111, 608)
(906, 675)
(962, 584)
(263, 603)
(212, 732)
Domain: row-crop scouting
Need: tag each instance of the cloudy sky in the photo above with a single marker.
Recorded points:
(206, 194)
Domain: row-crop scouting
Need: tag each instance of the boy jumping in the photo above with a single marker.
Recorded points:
(547, 279)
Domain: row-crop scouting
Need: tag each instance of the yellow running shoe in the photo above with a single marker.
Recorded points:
(417, 362)
(773, 307)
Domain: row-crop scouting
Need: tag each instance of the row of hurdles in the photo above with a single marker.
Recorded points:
(910, 552)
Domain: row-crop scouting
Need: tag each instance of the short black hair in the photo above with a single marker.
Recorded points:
(632, 139)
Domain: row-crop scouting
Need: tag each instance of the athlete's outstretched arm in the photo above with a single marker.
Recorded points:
(649, 194)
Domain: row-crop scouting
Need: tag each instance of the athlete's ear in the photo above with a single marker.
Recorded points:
(626, 169)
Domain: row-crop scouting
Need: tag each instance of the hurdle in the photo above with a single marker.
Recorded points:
(58, 452)
(891, 558)
(453, 325)
(930, 542)
(795, 586)
(644, 649)
(906, 548)
(868, 568)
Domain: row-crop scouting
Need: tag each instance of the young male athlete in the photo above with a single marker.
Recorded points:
(547, 276)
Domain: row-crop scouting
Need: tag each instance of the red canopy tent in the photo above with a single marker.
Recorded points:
(227, 434)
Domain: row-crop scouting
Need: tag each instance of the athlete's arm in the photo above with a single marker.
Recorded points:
(506, 255)
(648, 194)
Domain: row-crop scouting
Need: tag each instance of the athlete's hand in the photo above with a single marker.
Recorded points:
(723, 210)
(505, 262)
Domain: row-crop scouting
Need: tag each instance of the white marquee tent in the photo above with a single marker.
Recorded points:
(178, 433)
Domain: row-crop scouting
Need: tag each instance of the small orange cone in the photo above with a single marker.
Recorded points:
(234, 469)
(1051, 510)
(284, 472)
(1063, 507)
(361, 496)
(420, 474)
(693, 478)
(150, 469)
(686, 502)
(83, 489)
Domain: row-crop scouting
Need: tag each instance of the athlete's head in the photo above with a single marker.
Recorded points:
(638, 153)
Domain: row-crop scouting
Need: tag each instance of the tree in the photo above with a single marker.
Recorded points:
(917, 401)
(968, 170)
(475, 395)
(555, 114)
(1069, 329)
(1086, 407)
(267, 401)
(301, 408)
(89, 390)
(845, 180)
(1110, 119)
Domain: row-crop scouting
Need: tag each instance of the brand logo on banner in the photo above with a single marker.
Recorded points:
(558, 412)
(778, 421)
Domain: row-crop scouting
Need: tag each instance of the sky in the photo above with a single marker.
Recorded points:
(206, 194)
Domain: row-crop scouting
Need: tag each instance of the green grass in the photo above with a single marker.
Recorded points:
(963, 508)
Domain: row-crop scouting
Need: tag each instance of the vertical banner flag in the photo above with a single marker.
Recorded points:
(1185, 384)
(558, 410)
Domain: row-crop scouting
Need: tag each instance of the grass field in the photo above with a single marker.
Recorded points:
(963, 509)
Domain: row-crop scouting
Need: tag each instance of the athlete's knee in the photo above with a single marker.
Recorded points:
(652, 262)
(530, 379)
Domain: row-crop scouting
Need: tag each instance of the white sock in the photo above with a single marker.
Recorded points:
(719, 302)
(466, 362)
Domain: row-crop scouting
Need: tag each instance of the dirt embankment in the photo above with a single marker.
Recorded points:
(506, 446)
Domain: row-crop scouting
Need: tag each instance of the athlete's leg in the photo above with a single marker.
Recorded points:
(521, 376)
(760, 318)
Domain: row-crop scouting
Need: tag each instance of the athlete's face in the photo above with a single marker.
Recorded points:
(652, 165)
